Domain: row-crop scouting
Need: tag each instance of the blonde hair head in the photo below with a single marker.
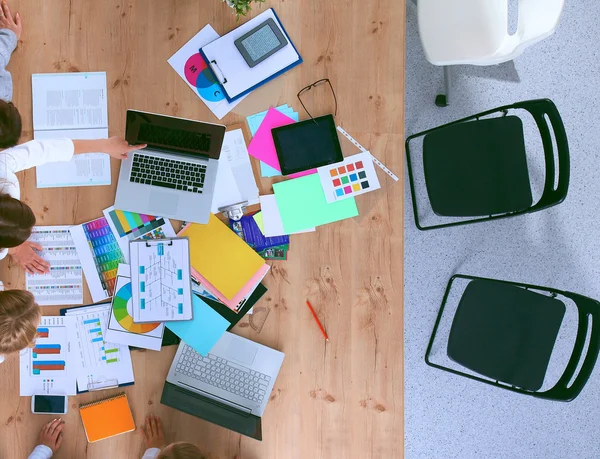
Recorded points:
(19, 318)
(180, 450)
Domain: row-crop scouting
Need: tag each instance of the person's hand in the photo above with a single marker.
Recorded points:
(153, 432)
(26, 256)
(117, 147)
(8, 22)
(51, 435)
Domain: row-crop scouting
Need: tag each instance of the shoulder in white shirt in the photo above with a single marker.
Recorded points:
(27, 155)
(151, 453)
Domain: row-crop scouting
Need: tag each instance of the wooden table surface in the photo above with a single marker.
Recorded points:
(342, 399)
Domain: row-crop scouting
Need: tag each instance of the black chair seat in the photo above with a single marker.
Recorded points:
(477, 168)
(505, 332)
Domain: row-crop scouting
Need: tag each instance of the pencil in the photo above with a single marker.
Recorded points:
(317, 321)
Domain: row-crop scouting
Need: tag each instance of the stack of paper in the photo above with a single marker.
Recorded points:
(223, 263)
(254, 122)
(262, 146)
(235, 179)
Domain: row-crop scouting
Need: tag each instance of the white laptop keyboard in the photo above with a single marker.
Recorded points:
(223, 374)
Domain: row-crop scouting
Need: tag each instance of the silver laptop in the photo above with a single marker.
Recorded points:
(175, 175)
(229, 387)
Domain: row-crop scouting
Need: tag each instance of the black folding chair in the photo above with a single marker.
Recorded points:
(476, 168)
(506, 331)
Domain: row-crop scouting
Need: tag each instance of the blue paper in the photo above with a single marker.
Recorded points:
(204, 330)
(268, 171)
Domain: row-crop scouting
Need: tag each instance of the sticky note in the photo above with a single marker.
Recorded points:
(204, 330)
(302, 204)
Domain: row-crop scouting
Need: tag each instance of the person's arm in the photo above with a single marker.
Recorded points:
(151, 453)
(38, 152)
(10, 32)
(41, 452)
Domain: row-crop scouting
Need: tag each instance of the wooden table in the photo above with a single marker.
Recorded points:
(343, 399)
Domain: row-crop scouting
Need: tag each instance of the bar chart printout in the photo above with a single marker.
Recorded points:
(99, 362)
(46, 368)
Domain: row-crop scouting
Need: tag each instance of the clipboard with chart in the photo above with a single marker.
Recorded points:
(160, 280)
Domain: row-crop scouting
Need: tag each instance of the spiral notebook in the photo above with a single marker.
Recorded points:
(107, 418)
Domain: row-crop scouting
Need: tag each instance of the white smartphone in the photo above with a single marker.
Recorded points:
(49, 404)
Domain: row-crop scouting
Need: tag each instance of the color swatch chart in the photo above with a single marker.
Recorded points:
(105, 250)
(64, 283)
(132, 224)
(161, 280)
(47, 367)
(351, 177)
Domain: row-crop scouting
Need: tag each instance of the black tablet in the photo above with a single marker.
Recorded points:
(261, 42)
(307, 144)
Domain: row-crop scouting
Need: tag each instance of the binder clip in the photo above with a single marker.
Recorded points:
(101, 385)
(234, 211)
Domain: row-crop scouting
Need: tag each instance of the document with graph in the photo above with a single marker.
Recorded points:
(100, 364)
(49, 367)
(64, 283)
(160, 280)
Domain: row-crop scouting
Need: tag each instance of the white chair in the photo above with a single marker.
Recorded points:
(475, 32)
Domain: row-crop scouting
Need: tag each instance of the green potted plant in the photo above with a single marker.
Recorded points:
(241, 7)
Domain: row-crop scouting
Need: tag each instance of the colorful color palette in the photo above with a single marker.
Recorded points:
(122, 305)
(105, 250)
(355, 175)
(132, 224)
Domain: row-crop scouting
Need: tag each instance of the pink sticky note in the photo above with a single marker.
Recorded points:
(262, 146)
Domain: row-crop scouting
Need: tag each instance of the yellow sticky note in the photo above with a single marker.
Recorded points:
(258, 218)
(224, 259)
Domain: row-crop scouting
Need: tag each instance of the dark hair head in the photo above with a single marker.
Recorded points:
(10, 124)
(16, 222)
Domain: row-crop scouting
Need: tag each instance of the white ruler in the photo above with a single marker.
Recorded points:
(361, 148)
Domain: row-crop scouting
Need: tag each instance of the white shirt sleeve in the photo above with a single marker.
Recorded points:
(151, 453)
(41, 452)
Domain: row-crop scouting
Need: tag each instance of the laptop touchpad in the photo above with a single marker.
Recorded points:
(241, 351)
(163, 203)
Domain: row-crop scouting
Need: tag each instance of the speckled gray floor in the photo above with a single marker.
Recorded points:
(452, 417)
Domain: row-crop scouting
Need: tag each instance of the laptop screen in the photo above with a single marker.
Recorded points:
(212, 411)
(174, 135)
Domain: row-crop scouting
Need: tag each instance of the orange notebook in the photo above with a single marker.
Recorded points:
(107, 418)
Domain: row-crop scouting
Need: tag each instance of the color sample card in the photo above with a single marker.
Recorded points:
(100, 256)
(302, 204)
(351, 177)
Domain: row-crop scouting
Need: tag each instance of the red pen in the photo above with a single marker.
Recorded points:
(317, 321)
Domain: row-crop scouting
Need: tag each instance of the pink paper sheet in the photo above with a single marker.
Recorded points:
(232, 303)
(262, 146)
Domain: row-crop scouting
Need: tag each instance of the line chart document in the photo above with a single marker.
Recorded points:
(72, 105)
(63, 285)
(160, 280)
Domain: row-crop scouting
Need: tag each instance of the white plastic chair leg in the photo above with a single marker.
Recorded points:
(442, 100)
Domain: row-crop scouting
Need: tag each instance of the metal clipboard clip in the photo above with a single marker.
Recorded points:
(159, 241)
(215, 67)
(234, 211)
(102, 385)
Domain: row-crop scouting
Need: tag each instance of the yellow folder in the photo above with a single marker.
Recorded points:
(219, 254)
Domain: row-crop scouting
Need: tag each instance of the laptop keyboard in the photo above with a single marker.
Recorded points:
(223, 374)
(164, 136)
(167, 173)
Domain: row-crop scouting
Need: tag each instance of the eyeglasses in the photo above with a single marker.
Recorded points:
(309, 87)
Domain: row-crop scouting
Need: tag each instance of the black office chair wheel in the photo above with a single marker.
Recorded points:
(441, 100)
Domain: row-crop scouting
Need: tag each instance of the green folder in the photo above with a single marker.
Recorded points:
(302, 204)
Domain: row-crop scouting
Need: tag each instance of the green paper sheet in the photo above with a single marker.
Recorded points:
(302, 204)
(258, 218)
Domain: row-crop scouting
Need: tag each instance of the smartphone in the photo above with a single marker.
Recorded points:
(49, 404)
